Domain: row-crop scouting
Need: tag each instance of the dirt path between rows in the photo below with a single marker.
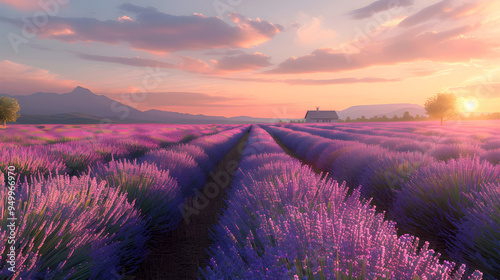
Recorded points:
(180, 253)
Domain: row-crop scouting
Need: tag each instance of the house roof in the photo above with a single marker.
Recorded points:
(322, 114)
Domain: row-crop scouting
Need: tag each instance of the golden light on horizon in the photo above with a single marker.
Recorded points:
(468, 105)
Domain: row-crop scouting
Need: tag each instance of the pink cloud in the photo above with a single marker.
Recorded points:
(20, 79)
(25, 5)
(443, 32)
(444, 10)
(188, 99)
(194, 65)
(150, 30)
(312, 82)
(414, 44)
(243, 62)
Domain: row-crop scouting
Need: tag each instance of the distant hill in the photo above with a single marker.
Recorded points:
(381, 109)
(68, 118)
(83, 106)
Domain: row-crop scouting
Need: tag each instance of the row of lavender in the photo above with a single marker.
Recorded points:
(438, 144)
(97, 225)
(284, 222)
(454, 203)
(27, 135)
(75, 156)
(476, 132)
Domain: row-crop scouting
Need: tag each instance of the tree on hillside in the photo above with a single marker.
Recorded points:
(441, 106)
(8, 110)
(407, 116)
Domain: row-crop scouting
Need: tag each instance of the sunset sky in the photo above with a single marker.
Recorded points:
(258, 58)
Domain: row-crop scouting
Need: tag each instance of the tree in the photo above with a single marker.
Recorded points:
(407, 116)
(441, 106)
(8, 110)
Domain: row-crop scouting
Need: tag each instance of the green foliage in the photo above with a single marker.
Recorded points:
(442, 105)
(407, 116)
(8, 109)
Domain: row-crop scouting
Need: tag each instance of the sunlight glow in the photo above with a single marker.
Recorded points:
(470, 105)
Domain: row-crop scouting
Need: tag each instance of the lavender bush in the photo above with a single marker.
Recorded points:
(198, 155)
(434, 198)
(152, 191)
(477, 241)
(384, 177)
(73, 228)
(284, 222)
(180, 166)
(29, 161)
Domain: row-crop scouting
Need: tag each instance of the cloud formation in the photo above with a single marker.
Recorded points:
(443, 32)
(312, 82)
(20, 79)
(130, 61)
(243, 62)
(187, 99)
(149, 29)
(314, 31)
(444, 10)
(24, 5)
(225, 65)
(379, 6)
(411, 45)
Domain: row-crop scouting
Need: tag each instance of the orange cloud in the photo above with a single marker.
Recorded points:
(20, 79)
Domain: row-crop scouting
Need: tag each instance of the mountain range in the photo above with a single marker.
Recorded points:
(83, 106)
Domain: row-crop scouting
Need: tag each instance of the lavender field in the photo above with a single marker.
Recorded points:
(405, 200)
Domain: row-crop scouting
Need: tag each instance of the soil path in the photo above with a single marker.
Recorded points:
(179, 254)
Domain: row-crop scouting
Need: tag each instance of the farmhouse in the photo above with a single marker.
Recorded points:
(321, 116)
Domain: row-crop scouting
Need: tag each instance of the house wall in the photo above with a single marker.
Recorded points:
(312, 120)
